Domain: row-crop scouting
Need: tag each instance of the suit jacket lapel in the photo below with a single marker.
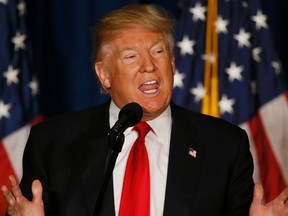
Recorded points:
(92, 178)
(183, 169)
(91, 162)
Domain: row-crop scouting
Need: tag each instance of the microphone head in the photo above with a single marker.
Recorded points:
(133, 111)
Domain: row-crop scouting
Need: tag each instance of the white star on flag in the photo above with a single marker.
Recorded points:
(4, 1)
(260, 20)
(4, 110)
(234, 72)
(221, 25)
(198, 92)
(253, 86)
(18, 41)
(210, 57)
(244, 4)
(178, 79)
(198, 12)
(277, 66)
(34, 86)
(186, 46)
(255, 54)
(243, 38)
(21, 8)
(11, 75)
(226, 104)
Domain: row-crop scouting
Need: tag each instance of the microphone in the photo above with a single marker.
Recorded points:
(128, 116)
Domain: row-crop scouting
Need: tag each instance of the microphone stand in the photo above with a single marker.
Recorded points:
(115, 146)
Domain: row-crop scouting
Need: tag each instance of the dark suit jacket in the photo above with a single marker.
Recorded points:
(67, 154)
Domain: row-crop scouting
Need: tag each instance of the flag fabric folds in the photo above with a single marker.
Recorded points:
(18, 90)
(251, 87)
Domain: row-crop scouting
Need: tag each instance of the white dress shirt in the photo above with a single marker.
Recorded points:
(157, 144)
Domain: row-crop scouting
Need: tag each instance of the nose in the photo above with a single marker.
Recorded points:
(147, 63)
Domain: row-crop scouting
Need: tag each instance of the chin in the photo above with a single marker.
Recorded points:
(153, 110)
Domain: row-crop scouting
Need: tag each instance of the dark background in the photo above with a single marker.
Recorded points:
(61, 43)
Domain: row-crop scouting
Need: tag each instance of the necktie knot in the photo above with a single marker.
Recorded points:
(142, 129)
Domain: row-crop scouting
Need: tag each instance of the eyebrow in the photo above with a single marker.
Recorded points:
(155, 42)
(132, 47)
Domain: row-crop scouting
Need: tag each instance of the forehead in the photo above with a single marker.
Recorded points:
(135, 37)
(132, 38)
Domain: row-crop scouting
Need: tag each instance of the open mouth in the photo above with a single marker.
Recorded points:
(149, 87)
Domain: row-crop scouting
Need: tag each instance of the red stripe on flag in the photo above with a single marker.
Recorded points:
(36, 120)
(270, 173)
(6, 170)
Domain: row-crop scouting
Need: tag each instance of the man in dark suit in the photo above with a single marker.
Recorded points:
(199, 165)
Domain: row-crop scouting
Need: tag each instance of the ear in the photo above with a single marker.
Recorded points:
(102, 74)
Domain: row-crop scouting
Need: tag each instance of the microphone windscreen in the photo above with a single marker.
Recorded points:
(133, 111)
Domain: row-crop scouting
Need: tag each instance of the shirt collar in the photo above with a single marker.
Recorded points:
(156, 124)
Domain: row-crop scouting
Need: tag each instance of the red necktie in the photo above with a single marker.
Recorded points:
(135, 199)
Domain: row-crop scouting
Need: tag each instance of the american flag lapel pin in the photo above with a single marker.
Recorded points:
(192, 152)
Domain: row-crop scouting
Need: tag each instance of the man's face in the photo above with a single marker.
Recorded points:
(139, 69)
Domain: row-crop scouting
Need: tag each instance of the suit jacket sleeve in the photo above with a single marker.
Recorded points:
(240, 187)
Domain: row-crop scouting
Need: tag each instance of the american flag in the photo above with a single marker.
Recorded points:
(192, 152)
(227, 67)
(18, 90)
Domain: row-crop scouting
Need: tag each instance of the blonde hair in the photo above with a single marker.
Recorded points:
(148, 16)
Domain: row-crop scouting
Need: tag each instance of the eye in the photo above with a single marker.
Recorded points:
(129, 57)
(158, 51)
